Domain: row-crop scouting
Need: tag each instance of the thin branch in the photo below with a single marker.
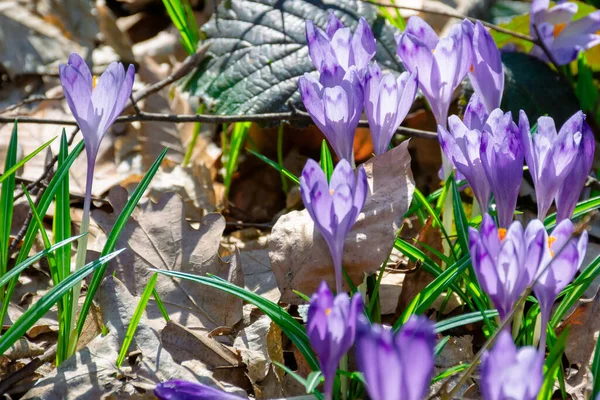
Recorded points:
(453, 15)
(550, 56)
(142, 116)
(36, 98)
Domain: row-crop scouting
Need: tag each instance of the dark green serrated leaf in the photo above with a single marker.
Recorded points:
(532, 86)
(258, 51)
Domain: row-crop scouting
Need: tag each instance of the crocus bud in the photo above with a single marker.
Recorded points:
(475, 113)
(549, 155)
(387, 101)
(331, 329)
(335, 51)
(499, 258)
(486, 73)
(184, 390)
(508, 373)
(396, 366)
(462, 147)
(335, 110)
(568, 194)
(334, 207)
(502, 160)
(442, 63)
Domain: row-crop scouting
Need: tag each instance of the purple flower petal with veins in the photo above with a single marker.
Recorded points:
(408, 354)
(331, 328)
(334, 207)
(184, 390)
(387, 102)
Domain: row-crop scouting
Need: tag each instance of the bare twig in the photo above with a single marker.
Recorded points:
(453, 15)
(36, 98)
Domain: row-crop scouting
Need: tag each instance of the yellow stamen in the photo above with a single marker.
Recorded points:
(327, 311)
(501, 234)
(558, 28)
(551, 240)
(331, 191)
(94, 81)
(471, 70)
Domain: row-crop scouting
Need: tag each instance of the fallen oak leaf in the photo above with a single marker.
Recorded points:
(299, 255)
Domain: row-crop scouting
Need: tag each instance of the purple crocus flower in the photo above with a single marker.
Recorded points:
(333, 52)
(95, 108)
(334, 207)
(475, 113)
(502, 160)
(569, 192)
(387, 101)
(442, 63)
(396, 366)
(335, 110)
(508, 373)
(462, 147)
(557, 263)
(563, 37)
(549, 155)
(331, 328)
(486, 73)
(500, 258)
(184, 390)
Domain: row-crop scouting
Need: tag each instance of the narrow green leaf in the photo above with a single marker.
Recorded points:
(450, 372)
(596, 371)
(326, 160)
(181, 13)
(18, 165)
(299, 379)
(161, 306)
(313, 380)
(460, 219)
(582, 208)
(464, 319)
(113, 236)
(435, 215)
(275, 165)
(238, 137)
(41, 307)
(7, 197)
(439, 346)
(552, 365)
(278, 315)
(135, 319)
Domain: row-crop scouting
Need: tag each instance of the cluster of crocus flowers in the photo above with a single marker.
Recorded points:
(334, 206)
(508, 373)
(563, 37)
(559, 163)
(507, 261)
(95, 104)
(489, 156)
(347, 83)
(396, 366)
(331, 329)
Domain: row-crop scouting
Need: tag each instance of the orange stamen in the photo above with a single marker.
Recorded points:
(559, 28)
(551, 240)
(94, 81)
(471, 69)
(501, 234)
(327, 311)
(331, 191)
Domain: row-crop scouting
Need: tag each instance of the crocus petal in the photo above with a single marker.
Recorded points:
(420, 29)
(363, 44)
(184, 390)
(361, 190)
(475, 113)
(487, 76)
(333, 24)
(415, 54)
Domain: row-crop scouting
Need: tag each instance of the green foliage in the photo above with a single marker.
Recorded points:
(7, 202)
(238, 137)
(552, 365)
(326, 160)
(258, 51)
(180, 12)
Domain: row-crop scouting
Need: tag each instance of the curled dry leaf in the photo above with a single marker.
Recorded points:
(92, 372)
(299, 255)
(158, 236)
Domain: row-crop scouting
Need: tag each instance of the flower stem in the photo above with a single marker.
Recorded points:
(344, 378)
(81, 252)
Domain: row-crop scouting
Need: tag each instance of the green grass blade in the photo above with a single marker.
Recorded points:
(464, 319)
(16, 270)
(41, 307)
(135, 319)
(44, 204)
(183, 18)
(113, 236)
(292, 328)
(238, 137)
(450, 372)
(326, 160)
(61, 226)
(161, 306)
(7, 196)
(18, 165)
(435, 215)
(431, 292)
(581, 209)
(460, 219)
(552, 365)
(596, 371)
(275, 165)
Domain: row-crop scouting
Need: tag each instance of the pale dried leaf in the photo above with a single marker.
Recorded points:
(299, 255)
(158, 236)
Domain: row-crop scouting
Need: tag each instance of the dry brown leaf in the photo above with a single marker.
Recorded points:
(28, 44)
(92, 372)
(158, 236)
(299, 255)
